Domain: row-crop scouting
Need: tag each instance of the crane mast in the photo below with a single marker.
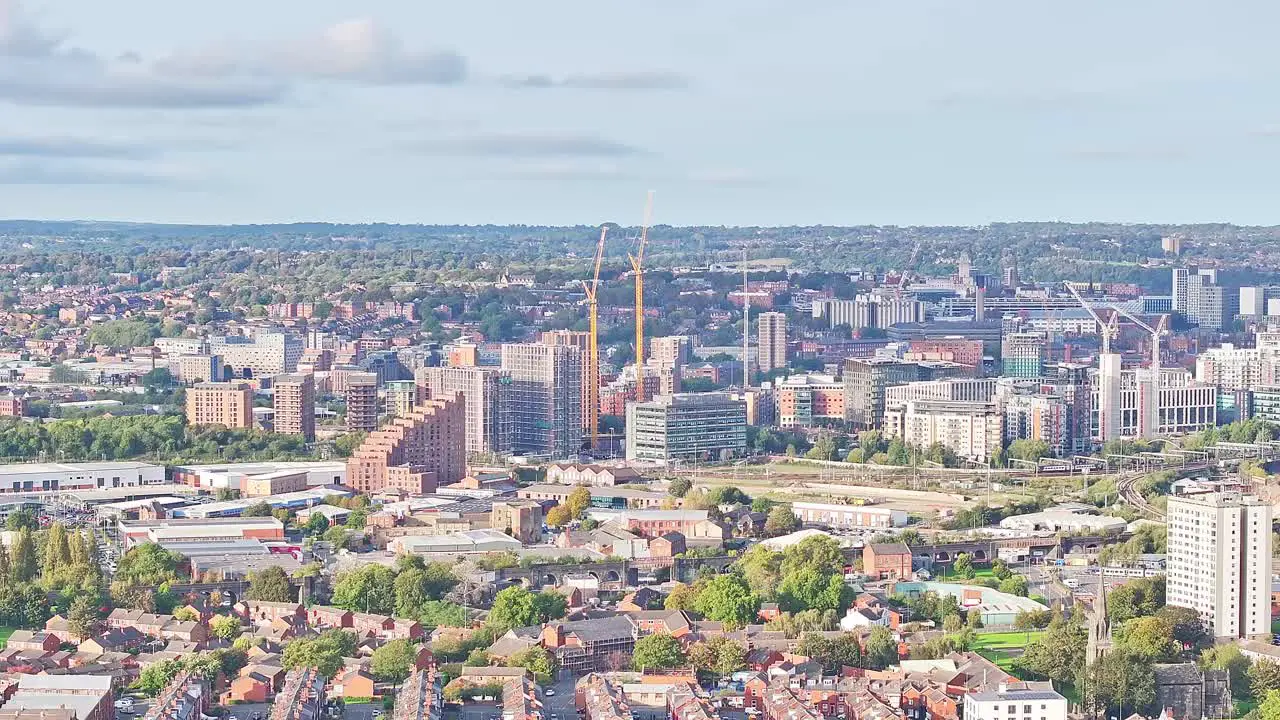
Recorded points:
(593, 348)
(637, 266)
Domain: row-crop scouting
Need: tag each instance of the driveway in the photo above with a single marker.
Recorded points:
(246, 711)
(359, 711)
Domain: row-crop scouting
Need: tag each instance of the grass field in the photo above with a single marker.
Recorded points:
(5, 632)
(1002, 648)
(978, 573)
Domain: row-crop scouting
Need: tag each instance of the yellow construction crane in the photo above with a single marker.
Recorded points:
(593, 354)
(637, 266)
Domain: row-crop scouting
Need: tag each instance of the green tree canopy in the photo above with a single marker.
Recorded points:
(658, 651)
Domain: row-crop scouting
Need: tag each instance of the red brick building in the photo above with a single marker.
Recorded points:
(887, 561)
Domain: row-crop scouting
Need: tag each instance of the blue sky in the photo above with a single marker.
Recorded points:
(736, 112)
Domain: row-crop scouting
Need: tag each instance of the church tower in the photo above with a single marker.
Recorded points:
(1099, 627)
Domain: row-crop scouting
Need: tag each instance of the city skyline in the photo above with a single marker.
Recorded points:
(883, 113)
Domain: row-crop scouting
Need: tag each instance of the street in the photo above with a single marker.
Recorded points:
(247, 711)
(359, 711)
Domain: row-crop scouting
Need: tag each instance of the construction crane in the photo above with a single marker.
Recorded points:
(593, 349)
(1159, 331)
(637, 266)
(1148, 401)
(1108, 373)
(906, 271)
(1108, 329)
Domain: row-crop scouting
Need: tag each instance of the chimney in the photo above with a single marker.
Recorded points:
(1003, 687)
(552, 635)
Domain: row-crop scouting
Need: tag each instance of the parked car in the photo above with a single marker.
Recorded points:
(549, 692)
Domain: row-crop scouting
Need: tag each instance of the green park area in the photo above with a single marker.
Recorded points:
(5, 632)
(1002, 648)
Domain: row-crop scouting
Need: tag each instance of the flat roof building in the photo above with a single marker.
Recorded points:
(229, 404)
(687, 426)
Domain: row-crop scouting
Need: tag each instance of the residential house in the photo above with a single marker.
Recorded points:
(667, 545)
(353, 683)
(887, 561)
(33, 640)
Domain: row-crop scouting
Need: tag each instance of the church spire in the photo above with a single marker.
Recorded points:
(1099, 627)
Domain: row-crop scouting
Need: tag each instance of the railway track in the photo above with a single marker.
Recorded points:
(1127, 488)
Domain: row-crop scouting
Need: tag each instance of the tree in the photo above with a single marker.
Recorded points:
(57, 552)
(810, 589)
(781, 520)
(20, 519)
(1000, 569)
(1264, 677)
(1016, 585)
(157, 676)
(84, 616)
(681, 597)
(148, 565)
(1029, 450)
(882, 649)
(1270, 707)
(370, 588)
(657, 651)
(1150, 638)
(578, 502)
(1185, 623)
(513, 608)
(258, 509)
(225, 627)
(728, 599)
(324, 653)
(317, 524)
(1136, 598)
(1234, 662)
(963, 566)
(186, 614)
(558, 516)
(549, 605)
(1059, 653)
(538, 661)
(1123, 678)
(952, 623)
(1032, 619)
(762, 569)
(679, 486)
(270, 585)
(393, 661)
(22, 557)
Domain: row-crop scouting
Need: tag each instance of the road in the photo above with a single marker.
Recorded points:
(359, 711)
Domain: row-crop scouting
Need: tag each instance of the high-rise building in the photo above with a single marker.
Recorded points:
(973, 430)
(265, 355)
(582, 341)
(546, 398)
(670, 351)
(1180, 279)
(362, 402)
(229, 404)
(689, 426)
(415, 453)
(801, 399)
(1208, 304)
(1220, 561)
(401, 396)
(485, 393)
(1108, 384)
(295, 405)
(772, 341)
(865, 380)
(876, 310)
(1024, 354)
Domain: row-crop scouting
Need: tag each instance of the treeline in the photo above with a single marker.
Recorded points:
(159, 437)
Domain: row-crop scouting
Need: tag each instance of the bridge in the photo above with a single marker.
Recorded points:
(554, 574)
(985, 551)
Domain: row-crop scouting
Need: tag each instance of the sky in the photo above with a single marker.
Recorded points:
(735, 112)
